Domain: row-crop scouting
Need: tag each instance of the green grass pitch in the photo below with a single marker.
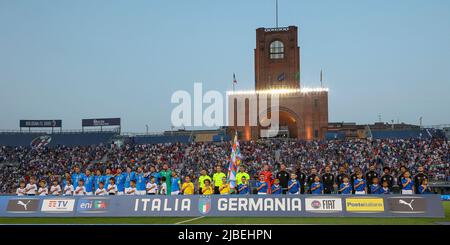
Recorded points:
(233, 220)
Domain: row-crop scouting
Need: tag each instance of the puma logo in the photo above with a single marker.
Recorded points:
(24, 205)
(407, 204)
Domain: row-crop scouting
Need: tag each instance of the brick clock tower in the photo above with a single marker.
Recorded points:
(303, 112)
(277, 58)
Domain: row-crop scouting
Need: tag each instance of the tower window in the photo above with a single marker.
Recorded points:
(276, 50)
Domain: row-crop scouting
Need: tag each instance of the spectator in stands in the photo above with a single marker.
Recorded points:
(51, 163)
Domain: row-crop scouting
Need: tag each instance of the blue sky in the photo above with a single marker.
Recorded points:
(108, 58)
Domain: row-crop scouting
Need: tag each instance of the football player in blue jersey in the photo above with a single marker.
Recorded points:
(375, 187)
(407, 184)
(360, 184)
(140, 182)
(294, 185)
(276, 187)
(107, 177)
(76, 176)
(120, 182)
(261, 185)
(316, 187)
(345, 187)
(243, 188)
(89, 182)
(98, 178)
(129, 176)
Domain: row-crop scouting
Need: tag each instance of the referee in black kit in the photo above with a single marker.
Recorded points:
(283, 176)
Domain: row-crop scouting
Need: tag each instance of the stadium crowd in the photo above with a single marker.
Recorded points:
(269, 166)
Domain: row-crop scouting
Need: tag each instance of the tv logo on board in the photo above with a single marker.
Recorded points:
(93, 205)
(204, 205)
(323, 205)
(23, 205)
(58, 205)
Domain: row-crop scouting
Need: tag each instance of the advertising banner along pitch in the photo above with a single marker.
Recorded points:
(230, 205)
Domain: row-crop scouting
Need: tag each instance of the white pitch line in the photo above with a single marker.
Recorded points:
(189, 220)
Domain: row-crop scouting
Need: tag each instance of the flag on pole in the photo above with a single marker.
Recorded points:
(321, 79)
(235, 161)
(234, 79)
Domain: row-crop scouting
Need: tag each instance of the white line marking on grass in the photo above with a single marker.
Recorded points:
(189, 220)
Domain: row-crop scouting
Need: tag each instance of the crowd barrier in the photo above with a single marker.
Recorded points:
(229, 205)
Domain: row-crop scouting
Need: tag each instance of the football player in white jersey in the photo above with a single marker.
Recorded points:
(21, 190)
(43, 190)
(81, 189)
(112, 188)
(31, 188)
(101, 190)
(55, 189)
(132, 189)
(68, 189)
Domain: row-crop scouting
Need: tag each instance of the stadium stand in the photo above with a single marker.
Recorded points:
(335, 136)
(160, 139)
(400, 134)
(56, 138)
